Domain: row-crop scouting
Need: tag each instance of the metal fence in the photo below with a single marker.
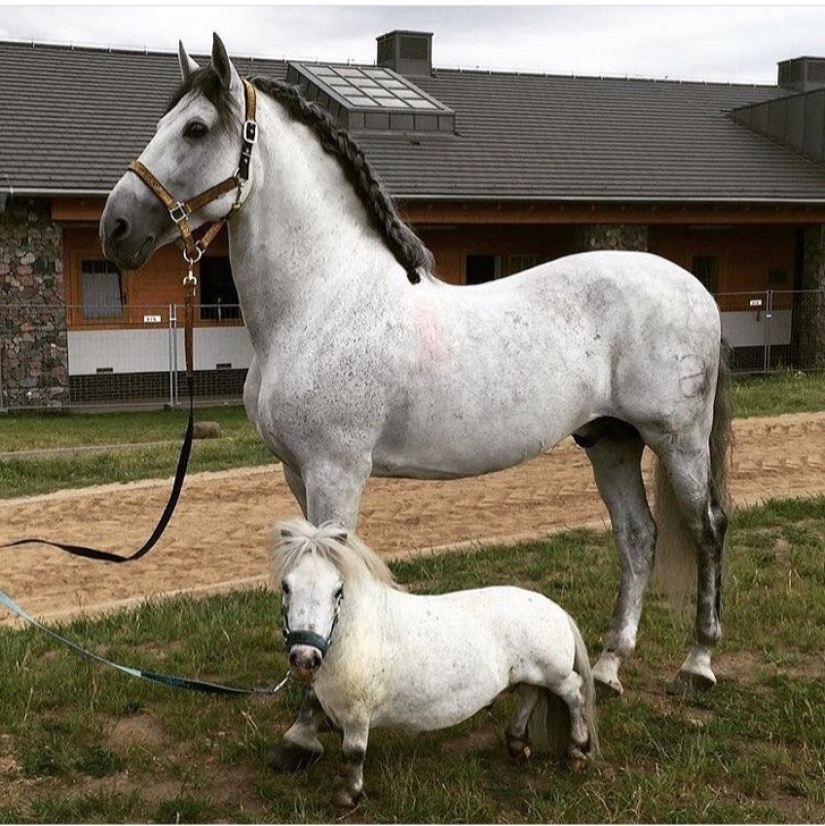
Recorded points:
(51, 358)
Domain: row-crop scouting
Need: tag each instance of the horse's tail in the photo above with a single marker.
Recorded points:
(548, 728)
(675, 553)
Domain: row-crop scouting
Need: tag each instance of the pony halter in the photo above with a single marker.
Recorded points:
(303, 637)
(180, 211)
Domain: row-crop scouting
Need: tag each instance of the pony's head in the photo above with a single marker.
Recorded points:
(316, 568)
(197, 145)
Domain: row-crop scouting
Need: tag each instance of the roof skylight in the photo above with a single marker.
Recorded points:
(368, 97)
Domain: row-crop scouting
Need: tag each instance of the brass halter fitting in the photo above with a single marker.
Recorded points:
(179, 211)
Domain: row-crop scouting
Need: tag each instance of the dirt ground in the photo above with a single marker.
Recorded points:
(219, 536)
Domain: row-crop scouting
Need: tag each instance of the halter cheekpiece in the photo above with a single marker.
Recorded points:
(179, 211)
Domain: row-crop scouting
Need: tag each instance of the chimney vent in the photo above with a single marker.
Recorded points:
(802, 74)
(408, 53)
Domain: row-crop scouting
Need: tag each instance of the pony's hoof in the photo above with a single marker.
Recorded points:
(577, 760)
(344, 799)
(519, 750)
(607, 690)
(689, 682)
(290, 757)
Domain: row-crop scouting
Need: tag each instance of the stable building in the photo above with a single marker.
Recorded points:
(495, 171)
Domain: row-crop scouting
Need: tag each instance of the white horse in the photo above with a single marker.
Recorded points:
(380, 657)
(366, 364)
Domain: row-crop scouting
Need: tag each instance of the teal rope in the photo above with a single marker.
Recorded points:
(163, 679)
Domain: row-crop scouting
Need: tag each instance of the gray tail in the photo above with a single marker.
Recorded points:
(548, 728)
(675, 553)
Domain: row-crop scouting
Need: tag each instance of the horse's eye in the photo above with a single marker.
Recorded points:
(195, 129)
(285, 589)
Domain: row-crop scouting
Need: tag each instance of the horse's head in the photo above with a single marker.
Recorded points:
(196, 146)
(312, 589)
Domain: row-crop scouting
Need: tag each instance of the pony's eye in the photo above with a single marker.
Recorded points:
(285, 589)
(195, 129)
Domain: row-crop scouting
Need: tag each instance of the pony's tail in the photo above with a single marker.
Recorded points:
(548, 728)
(675, 553)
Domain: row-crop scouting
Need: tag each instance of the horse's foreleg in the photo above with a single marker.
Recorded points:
(295, 483)
(616, 460)
(333, 491)
(300, 746)
(351, 776)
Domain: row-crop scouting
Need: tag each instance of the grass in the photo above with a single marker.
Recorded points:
(81, 743)
(148, 447)
(150, 440)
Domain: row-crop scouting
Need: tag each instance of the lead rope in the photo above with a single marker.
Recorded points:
(190, 285)
(203, 686)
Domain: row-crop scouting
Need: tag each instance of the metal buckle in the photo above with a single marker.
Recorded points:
(250, 132)
(178, 212)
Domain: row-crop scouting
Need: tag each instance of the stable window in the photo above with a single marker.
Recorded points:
(706, 269)
(482, 268)
(101, 289)
(219, 298)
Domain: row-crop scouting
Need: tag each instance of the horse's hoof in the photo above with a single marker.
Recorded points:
(290, 757)
(689, 682)
(607, 690)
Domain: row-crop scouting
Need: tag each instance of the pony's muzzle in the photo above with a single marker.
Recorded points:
(305, 660)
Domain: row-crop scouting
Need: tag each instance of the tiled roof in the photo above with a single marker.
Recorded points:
(71, 119)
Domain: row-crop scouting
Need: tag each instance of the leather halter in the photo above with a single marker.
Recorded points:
(180, 211)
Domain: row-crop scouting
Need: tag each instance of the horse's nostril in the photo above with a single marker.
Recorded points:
(120, 229)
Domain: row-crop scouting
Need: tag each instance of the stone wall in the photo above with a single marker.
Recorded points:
(809, 324)
(612, 237)
(34, 359)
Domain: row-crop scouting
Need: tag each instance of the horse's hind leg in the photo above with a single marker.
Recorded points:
(704, 521)
(615, 452)
(515, 734)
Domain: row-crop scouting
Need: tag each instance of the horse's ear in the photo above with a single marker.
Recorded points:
(187, 65)
(222, 64)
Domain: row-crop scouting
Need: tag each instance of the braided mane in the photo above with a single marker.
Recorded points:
(405, 245)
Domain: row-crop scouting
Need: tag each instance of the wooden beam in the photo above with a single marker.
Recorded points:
(435, 213)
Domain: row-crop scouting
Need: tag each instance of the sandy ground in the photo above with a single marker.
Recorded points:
(219, 536)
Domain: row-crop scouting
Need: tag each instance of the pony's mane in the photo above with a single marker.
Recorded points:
(405, 245)
(296, 538)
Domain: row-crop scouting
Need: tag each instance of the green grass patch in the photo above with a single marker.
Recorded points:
(774, 394)
(149, 441)
(82, 743)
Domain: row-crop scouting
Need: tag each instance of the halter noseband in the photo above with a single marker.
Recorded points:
(180, 211)
(302, 637)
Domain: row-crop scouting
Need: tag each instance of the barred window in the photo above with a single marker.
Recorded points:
(101, 289)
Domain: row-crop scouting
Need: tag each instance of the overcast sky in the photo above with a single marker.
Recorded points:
(736, 43)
